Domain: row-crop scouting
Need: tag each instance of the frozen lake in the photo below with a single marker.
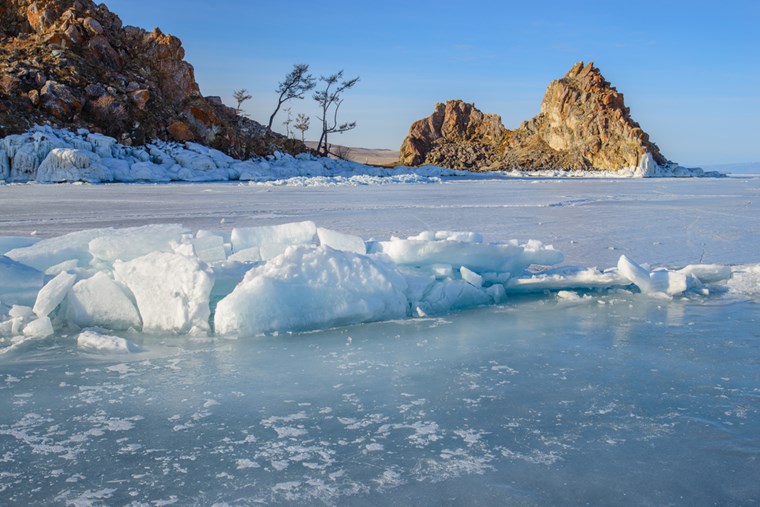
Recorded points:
(617, 398)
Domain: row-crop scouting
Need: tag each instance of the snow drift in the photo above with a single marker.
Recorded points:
(293, 277)
(50, 155)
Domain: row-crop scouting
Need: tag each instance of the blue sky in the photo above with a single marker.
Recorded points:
(690, 71)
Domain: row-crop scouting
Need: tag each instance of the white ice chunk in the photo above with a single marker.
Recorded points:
(509, 257)
(172, 291)
(471, 277)
(53, 293)
(91, 341)
(19, 283)
(635, 274)
(52, 251)
(566, 278)
(39, 328)
(311, 288)
(442, 270)
(341, 241)
(447, 296)
(209, 247)
(497, 292)
(20, 311)
(68, 265)
(461, 236)
(100, 301)
(673, 282)
(252, 254)
(708, 273)
(131, 243)
(298, 233)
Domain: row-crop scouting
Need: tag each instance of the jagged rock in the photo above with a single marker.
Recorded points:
(71, 63)
(583, 124)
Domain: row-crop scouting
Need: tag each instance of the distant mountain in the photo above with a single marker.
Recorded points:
(71, 63)
(583, 125)
(736, 168)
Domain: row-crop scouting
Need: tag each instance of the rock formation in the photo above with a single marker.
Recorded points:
(583, 125)
(71, 63)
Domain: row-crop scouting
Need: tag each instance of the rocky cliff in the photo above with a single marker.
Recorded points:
(583, 125)
(71, 63)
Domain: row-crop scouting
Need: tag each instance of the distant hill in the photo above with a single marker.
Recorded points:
(369, 156)
(735, 168)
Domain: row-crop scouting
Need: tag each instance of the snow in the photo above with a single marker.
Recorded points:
(50, 155)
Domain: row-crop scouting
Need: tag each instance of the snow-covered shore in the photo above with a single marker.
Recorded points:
(48, 155)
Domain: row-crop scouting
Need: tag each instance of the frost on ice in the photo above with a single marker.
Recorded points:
(295, 277)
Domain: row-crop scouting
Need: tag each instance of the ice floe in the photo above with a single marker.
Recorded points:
(49, 155)
(298, 277)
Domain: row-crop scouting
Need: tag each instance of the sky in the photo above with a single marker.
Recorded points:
(690, 71)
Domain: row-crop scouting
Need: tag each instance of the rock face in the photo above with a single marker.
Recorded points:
(583, 125)
(71, 63)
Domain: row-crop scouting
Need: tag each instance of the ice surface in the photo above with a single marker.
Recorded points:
(172, 291)
(100, 301)
(582, 377)
(309, 288)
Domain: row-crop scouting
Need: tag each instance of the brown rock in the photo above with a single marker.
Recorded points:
(59, 100)
(180, 131)
(140, 98)
(75, 61)
(583, 124)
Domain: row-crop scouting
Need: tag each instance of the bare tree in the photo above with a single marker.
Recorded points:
(296, 84)
(341, 152)
(302, 124)
(241, 96)
(330, 99)
(287, 122)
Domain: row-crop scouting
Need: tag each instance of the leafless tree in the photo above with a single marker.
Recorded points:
(296, 84)
(241, 96)
(329, 101)
(287, 122)
(302, 124)
(341, 152)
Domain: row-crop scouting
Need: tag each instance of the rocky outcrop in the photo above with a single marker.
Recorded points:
(71, 63)
(583, 125)
(455, 134)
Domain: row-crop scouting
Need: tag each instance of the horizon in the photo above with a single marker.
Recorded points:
(692, 56)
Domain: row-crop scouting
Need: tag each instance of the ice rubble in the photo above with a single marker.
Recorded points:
(294, 277)
(50, 155)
